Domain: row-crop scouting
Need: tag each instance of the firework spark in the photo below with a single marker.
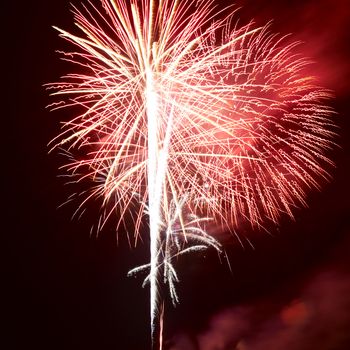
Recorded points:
(189, 119)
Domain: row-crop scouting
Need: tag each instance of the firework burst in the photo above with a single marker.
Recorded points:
(189, 120)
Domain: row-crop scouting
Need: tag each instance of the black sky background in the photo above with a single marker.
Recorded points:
(67, 290)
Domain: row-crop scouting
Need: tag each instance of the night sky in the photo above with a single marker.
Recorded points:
(65, 289)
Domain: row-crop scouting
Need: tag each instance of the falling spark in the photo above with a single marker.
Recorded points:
(191, 121)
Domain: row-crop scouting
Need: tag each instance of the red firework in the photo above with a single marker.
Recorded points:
(187, 118)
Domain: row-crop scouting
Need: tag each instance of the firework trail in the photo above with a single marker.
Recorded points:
(191, 121)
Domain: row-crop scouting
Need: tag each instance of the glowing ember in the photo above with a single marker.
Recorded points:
(188, 119)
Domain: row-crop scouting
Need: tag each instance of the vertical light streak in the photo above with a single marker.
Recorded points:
(154, 197)
(157, 170)
(189, 119)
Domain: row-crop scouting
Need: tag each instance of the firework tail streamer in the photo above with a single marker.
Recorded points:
(155, 180)
(196, 123)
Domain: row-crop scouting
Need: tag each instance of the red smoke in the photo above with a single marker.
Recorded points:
(315, 315)
(321, 25)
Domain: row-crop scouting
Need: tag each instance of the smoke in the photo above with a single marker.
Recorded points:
(324, 30)
(314, 315)
(322, 27)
